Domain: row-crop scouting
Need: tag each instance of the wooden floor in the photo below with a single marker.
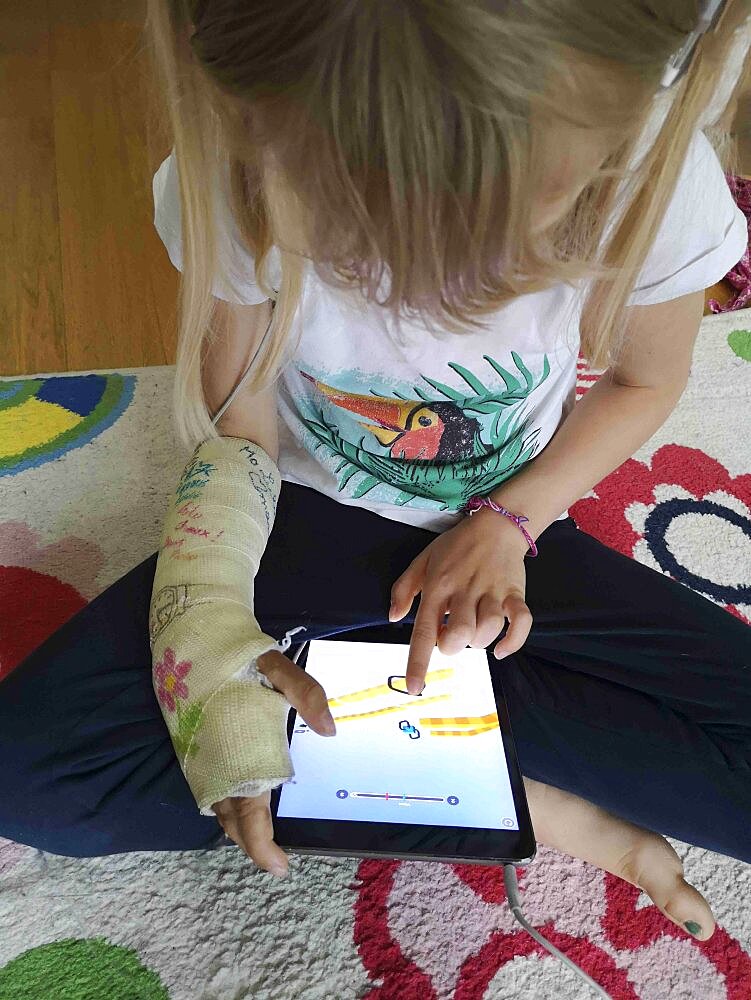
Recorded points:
(85, 282)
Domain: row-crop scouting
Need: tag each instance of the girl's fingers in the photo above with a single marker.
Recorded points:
(460, 629)
(257, 832)
(248, 822)
(407, 587)
(490, 620)
(520, 622)
(422, 641)
(301, 690)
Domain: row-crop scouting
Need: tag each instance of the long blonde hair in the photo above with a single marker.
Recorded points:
(373, 136)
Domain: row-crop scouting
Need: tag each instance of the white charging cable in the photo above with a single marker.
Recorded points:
(514, 904)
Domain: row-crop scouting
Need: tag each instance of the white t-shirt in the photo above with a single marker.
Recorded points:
(411, 430)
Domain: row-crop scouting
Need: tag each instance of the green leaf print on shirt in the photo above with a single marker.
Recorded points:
(437, 449)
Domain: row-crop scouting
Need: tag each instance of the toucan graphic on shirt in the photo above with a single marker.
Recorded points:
(442, 450)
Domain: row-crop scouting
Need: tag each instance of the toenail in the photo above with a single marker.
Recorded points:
(692, 927)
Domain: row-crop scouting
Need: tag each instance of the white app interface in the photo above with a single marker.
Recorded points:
(435, 759)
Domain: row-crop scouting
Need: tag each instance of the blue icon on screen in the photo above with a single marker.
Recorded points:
(409, 729)
(342, 793)
(452, 800)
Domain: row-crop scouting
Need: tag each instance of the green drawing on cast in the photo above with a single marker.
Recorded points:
(187, 725)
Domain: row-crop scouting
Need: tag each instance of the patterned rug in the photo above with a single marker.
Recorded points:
(87, 467)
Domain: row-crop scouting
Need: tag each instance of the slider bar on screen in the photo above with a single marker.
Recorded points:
(388, 795)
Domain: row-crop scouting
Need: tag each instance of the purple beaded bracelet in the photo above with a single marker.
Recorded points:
(477, 502)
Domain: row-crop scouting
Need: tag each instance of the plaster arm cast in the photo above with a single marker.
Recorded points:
(226, 720)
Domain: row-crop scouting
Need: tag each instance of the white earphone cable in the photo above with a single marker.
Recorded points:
(243, 378)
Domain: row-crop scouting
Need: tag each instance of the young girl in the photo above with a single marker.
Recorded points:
(443, 200)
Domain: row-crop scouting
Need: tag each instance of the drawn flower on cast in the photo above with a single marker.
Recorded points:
(169, 678)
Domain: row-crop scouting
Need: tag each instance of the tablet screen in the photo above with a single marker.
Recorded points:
(436, 759)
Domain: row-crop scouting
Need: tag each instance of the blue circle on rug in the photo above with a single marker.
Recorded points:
(655, 530)
(43, 418)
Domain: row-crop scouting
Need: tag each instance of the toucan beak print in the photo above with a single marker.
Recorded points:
(410, 428)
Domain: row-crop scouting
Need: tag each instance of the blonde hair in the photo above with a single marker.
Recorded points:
(372, 136)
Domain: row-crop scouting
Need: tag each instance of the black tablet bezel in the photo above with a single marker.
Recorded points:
(351, 838)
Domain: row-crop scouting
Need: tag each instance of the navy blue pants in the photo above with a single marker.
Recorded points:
(631, 691)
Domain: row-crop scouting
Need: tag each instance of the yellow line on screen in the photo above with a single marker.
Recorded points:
(390, 710)
(471, 720)
(461, 732)
(381, 689)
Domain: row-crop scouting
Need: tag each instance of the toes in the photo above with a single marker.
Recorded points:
(641, 857)
(657, 869)
(686, 907)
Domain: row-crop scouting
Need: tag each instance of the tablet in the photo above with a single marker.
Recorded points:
(427, 777)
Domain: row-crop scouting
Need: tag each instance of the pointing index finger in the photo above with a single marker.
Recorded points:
(422, 643)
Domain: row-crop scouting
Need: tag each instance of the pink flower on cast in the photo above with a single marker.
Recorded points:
(169, 678)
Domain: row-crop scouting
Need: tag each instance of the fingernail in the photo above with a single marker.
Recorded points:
(692, 927)
(279, 871)
(500, 656)
(329, 729)
(392, 612)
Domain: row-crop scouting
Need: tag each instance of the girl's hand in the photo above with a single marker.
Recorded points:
(475, 571)
(248, 821)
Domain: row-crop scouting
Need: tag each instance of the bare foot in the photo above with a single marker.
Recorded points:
(641, 857)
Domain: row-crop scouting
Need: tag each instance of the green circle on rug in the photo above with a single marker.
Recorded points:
(739, 342)
(80, 969)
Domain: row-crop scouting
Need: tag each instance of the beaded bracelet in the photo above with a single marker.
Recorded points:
(477, 502)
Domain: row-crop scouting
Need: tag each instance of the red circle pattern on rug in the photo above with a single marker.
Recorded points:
(37, 605)
(626, 930)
